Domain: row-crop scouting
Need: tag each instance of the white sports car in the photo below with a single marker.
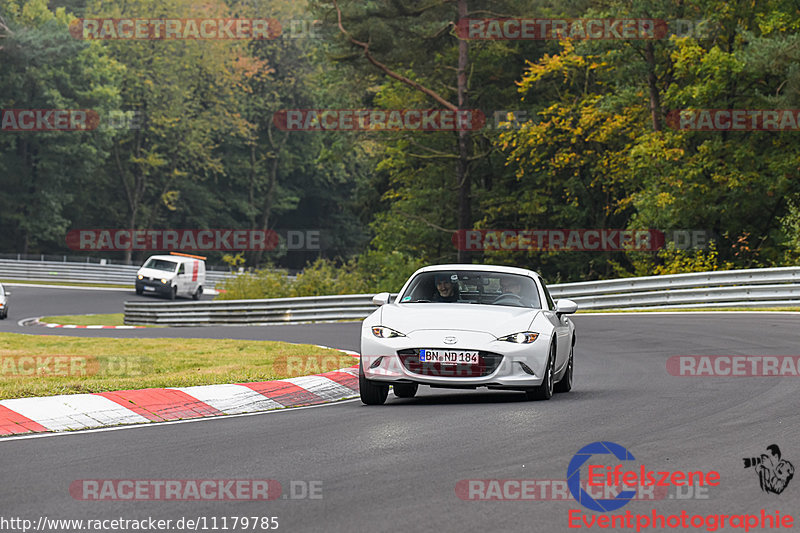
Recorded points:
(468, 326)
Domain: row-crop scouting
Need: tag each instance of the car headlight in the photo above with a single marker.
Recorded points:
(164, 281)
(525, 337)
(385, 333)
(141, 277)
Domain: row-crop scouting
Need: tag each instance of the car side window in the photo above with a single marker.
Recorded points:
(182, 269)
(550, 303)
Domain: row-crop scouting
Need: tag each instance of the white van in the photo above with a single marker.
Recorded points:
(172, 275)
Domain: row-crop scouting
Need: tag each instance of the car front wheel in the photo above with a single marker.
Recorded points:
(565, 384)
(372, 393)
(545, 390)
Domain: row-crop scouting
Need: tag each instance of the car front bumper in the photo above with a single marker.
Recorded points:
(153, 287)
(502, 365)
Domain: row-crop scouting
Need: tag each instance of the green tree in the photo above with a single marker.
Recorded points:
(43, 173)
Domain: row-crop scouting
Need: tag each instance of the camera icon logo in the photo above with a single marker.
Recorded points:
(774, 473)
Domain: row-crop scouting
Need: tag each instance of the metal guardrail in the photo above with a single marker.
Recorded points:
(252, 312)
(740, 288)
(678, 281)
(66, 272)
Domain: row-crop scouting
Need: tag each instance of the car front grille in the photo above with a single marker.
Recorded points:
(487, 363)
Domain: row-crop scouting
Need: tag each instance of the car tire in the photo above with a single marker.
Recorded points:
(405, 390)
(3, 315)
(545, 390)
(173, 293)
(197, 293)
(371, 392)
(565, 383)
(139, 291)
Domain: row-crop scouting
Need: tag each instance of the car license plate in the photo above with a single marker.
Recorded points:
(149, 288)
(448, 357)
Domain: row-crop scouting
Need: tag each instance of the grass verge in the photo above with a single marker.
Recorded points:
(114, 319)
(33, 365)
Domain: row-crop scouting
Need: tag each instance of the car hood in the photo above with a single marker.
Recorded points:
(157, 274)
(496, 320)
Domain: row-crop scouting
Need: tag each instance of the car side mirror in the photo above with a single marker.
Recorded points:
(566, 307)
(382, 298)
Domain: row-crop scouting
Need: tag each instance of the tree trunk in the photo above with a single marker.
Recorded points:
(131, 197)
(272, 184)
(655, 98)
(269, 199)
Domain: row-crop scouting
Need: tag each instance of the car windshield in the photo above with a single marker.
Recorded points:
(472, 287)
(161, 264)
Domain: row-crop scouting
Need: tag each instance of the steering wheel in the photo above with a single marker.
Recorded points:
(515, 298)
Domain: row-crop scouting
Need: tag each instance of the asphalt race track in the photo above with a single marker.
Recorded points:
(396, 467)
(32, 302)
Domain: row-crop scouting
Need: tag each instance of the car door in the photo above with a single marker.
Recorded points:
(561, 326)
(194, 276)
(181, 279)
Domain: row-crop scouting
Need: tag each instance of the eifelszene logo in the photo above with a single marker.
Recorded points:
(774, 473)
(600, 475)
(574, 476)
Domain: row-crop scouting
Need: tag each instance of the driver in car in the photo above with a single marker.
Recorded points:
(445, 289)
(511, 285)
(513, 291)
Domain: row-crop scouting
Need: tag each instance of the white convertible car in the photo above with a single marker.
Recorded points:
(468, 326)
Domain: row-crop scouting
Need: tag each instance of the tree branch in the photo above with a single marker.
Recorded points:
(427, 223)
(389, 72)
(5, 31)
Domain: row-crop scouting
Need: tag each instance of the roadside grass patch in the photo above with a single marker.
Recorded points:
(32, 365)
(113, 319)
